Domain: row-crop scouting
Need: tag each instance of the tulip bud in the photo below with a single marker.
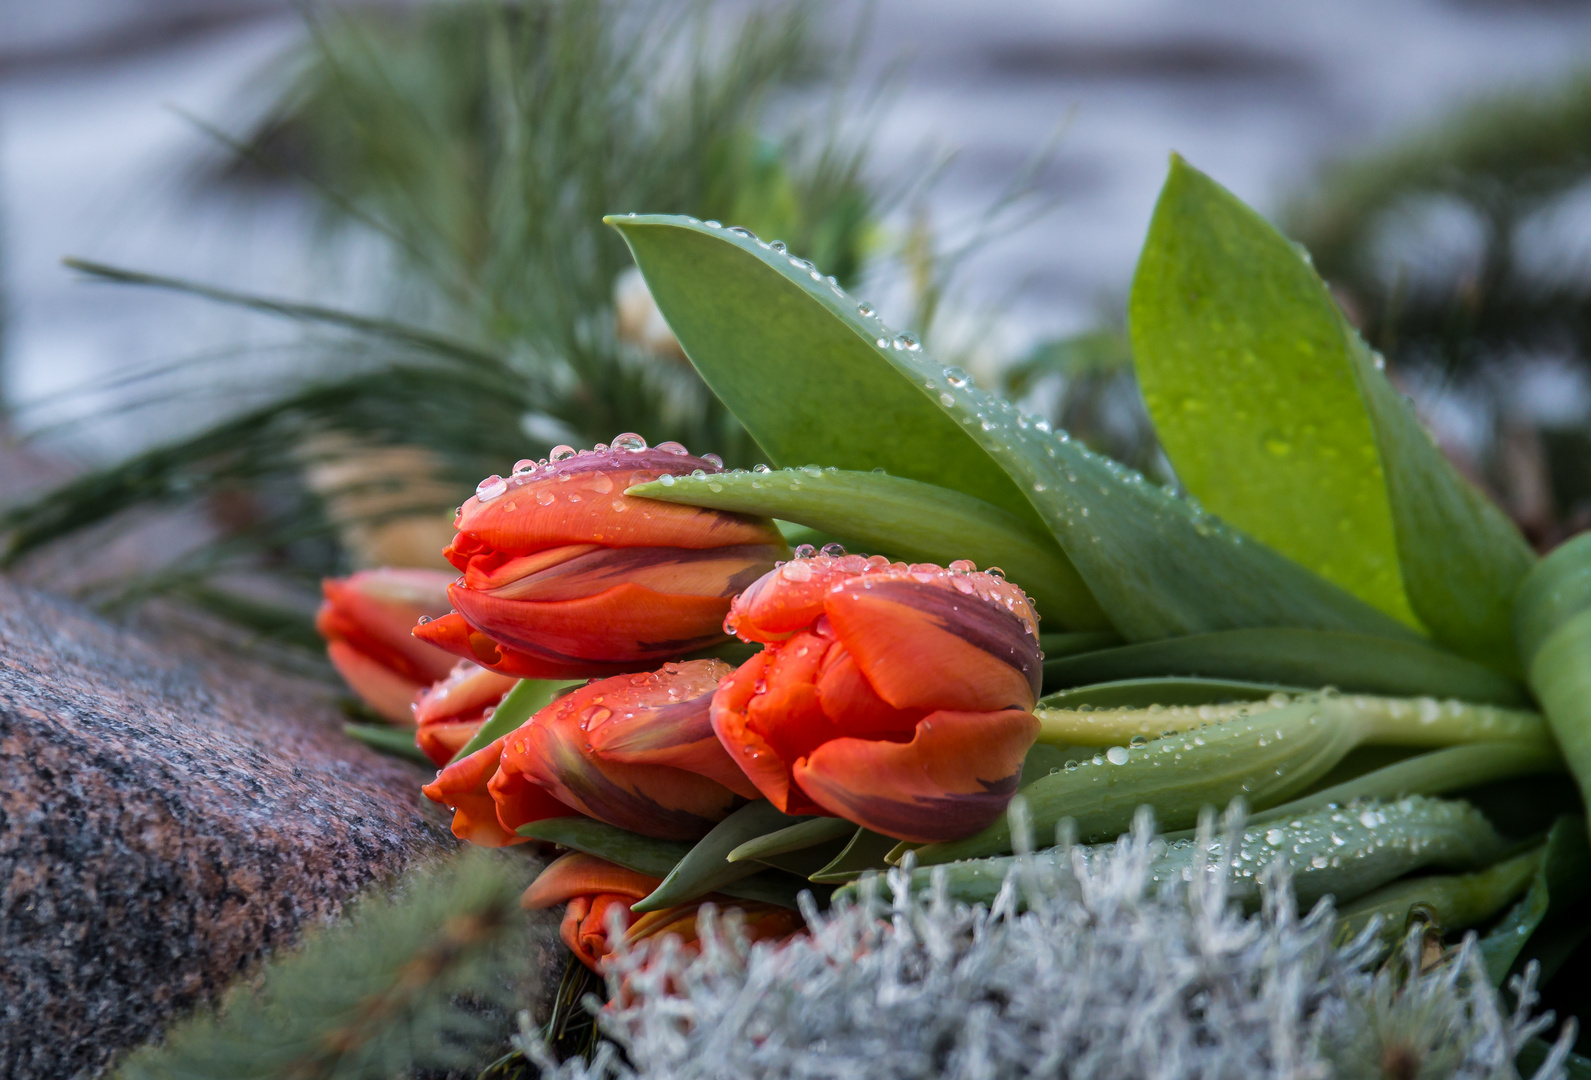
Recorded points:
(566, 576)
(451, 711)
(367, 620)
(635, 751)
(598, 895)
(896, 696)
(487, 807)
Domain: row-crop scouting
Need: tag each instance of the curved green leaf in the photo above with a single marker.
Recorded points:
(1143, 693)
(1295, 658)
(866, 851)
(806, 834)
(654, 858)
(1452, 901)
(1553, 626)
(706, 867)
(1277, 415)
(907, 518)
(397, 741)
(1562, 876)
(797, 363)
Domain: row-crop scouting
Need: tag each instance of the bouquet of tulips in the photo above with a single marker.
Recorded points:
(986, 633)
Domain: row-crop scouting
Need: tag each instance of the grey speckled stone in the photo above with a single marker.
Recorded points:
(166, 816)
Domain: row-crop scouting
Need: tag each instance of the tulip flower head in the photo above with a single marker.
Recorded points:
(564, 575)
(366, 620)
(635, 751)
(449, 712)
(896, 696)
(598, 895)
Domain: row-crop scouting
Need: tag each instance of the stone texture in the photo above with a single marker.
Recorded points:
(167, 814)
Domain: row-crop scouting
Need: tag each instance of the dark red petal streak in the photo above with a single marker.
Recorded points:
(454, 633)
(716, 572)
(954, 778)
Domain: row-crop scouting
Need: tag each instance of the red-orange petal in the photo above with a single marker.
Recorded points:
(468, 690)
(790, 598)
(454, 633)
(663, 717)
(376, 609)
(584, 928)
(768, 714)
(388, 692)
(923, 646)
(463, 786)
(578, 873)
(520, 801)
(442, 741)
(625, 623)
(720, 572)
(653, 800)
(850, 701)
(954, 778)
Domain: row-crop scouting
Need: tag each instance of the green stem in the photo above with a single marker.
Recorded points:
(1453, 902)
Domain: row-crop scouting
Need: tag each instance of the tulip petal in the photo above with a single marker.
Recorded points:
(388, 692)
(442, 741)
(582, 501)
(653, 800)
(719, 572)
(924, 646)
(375, 611)
(768, 715)
(462, 786)
(855, 707)
(647, 724)
(627, 622)
(492, 569)
(954, 778)
(468, 690)
(790, 598)
(454, 633)
(577, 873)
(585, 924)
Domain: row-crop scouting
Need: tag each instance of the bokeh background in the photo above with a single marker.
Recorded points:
(419, 184)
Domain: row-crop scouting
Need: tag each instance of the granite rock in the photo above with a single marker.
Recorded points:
(168, 814)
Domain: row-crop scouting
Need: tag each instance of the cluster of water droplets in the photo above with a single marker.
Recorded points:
(528, 471)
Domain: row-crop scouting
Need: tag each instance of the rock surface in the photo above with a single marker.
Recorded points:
(167, 815)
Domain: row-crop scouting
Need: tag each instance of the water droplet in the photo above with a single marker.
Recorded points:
(714, 460)
(667, 480)
(760, 468)
(561, 453)
(1117, 755)
(865, 310)
(833, 551)
(672, 447)
(629, 441)
(805, 551)
(957, 378)
(573, 497)
(490, 488)
(712, 224)
(907, 342)
(545, 497)
(739, 231)
(1274, 837)
(1137, 741)
(523, 466)
(947, 399)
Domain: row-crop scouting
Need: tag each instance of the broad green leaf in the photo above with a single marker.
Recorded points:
(1277, 415)
(1553, 625)
(1058, 645)
(799, 364)
(1450, 901)
(795, 361)
(525, 699)
(907, 518)
(399, 742)
(706, 867)
(1561, 877)
(654, 858)
(1295, 658)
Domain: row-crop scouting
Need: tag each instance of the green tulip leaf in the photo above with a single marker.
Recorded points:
(866, 851)
(1561, 878)
(798, 837)
(1279, 418)
(652, 857)
(1552, 624)
(798, 362)
(906, 518)
(1448, 901)
(1292, 657)
(706, 867)
(396, 741)
(525, 699)
(1144, 693)
(801, 367)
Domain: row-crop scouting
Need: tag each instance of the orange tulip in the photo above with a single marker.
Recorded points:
(366, 620)
(488, 808)
(451, 711)
(636, 751)
(566, 576)
(898, 697)
(594, 889)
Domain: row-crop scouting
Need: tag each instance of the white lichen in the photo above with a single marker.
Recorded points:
(1104, 976)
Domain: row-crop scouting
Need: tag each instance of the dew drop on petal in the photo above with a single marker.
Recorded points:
(561, 453)
(490, 488)
(629, 441)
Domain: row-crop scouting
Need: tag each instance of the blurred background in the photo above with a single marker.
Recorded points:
(341, 261)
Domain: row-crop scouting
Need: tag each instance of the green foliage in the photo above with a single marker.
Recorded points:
(1553, 625)
(907, 519)
(526, 699)
(1560, 877)
(706, 867)
(1445, 903)
(427, 977)
(1275, 413)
